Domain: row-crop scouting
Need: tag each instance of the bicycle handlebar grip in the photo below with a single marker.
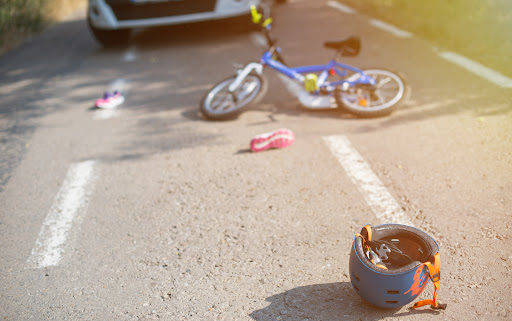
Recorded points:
(256, 16)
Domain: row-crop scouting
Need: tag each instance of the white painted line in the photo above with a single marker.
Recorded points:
(130, 54)
(104, 114)
(478, 69)
(119, 85)
(390, 28)
(258, 40)
(341, 7)
(72, 196)
(192, 89)
(375, 193)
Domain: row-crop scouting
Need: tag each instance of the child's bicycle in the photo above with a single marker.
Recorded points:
(366, 93)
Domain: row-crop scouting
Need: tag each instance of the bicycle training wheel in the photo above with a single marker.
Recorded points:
(372, 101)
(220, 104)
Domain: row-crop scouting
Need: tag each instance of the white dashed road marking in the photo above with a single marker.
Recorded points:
(341, 7)
(258, 40)
(103, 114)
(130, 54)
(478, 69)
(192, 89)
(472, 66)
(72, 196)
(119, 85)
(390, 28)
(382, 203)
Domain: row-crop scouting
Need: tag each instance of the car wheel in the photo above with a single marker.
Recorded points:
(110, 38)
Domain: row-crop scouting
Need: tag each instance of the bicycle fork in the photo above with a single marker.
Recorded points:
(243, 73)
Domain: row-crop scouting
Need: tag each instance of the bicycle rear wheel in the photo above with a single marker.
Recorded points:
(372, 101)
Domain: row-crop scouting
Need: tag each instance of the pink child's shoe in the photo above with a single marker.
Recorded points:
(277, 139)
(110, 100)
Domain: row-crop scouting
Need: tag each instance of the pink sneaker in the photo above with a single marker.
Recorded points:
(110, 100)
(277, 139)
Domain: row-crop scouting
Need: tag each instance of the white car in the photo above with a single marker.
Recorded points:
(112, 20)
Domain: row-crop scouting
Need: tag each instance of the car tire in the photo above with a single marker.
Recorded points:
(110, 38)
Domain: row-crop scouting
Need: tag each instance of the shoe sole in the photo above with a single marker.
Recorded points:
(278, 139)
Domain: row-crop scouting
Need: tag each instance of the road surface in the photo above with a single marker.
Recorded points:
(150, 212)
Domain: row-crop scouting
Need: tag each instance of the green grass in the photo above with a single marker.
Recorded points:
(478, 29)
(20, 19)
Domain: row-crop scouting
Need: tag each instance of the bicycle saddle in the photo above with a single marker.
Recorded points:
(348, 47)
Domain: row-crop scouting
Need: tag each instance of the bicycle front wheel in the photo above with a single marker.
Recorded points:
(219, 103)
(372, 101)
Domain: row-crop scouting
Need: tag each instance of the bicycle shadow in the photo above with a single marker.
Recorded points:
(278, 101)
(425, 107)
(326, 302)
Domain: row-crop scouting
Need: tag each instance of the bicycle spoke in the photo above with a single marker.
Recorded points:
(383, 82)
(380, 100)
(227, 106)
(247, 89)
(222, 101)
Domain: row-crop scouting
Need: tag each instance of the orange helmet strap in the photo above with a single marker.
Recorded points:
(434, 272)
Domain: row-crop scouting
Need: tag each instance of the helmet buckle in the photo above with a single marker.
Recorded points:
(382, 251)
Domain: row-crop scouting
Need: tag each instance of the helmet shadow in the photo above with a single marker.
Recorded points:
(326, 302)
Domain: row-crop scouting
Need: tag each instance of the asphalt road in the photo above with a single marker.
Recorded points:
(176, 220)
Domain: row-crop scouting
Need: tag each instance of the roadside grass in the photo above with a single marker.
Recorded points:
(478, 29)
(20, 19)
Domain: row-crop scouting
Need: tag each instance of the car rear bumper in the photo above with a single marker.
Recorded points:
(119, 14)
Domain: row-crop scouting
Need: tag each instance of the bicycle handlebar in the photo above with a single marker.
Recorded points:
(257, 18)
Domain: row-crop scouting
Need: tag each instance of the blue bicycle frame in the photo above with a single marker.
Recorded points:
(333, 85)
(333, 67)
